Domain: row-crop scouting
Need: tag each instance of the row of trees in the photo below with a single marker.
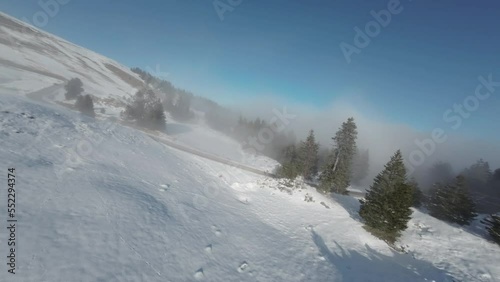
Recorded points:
(343, 163)
(301, 160)
(245, 130)
(475, 190)
(176, 101)
(386, 209)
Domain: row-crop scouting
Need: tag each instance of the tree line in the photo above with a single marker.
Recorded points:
(386, 208)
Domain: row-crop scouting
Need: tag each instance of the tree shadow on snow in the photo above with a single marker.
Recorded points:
(350, 204)
(352, 265)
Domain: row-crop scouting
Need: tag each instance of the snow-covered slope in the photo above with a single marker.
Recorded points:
(36, 63)
(31, 59)
(101, 202)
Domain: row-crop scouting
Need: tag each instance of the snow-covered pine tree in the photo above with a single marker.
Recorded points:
(386, 207)
(493, 227)
(452, 202)
(308, 156)
(418, 196)
(336, 174)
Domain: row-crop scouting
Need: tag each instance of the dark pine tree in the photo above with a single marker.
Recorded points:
(452, 203)
(308, 156)
(418, 196)
(337, 172)
(85, 105)
(74, 87)
(290, 167)
(493, 227)
(386, 208)
(146, 110)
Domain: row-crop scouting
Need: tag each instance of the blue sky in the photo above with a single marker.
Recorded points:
(425, 60)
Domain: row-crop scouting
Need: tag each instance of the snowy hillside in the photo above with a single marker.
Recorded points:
(122, 207)
(97, 201)
(31, 59)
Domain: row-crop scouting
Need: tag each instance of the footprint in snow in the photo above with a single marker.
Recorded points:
(244, 200)
(164, 187)
(199, 275)
(208, 249)
(309, 227)
(243, 266)
(216, 231)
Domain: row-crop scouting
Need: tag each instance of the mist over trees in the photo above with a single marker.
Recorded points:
(452, 202)
(146, 110)
(308, 156)
(386, 208)
(176, 101)
(440, 172)
(360, 167)
(483, 191)
(248, 131)
(301, 160)
(179, 105)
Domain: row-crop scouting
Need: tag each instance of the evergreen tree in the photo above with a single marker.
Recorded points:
(418, 196)
(493, 227)
(290, 167)
(74, 87)
(308, 157)
(452, 203)
(337, 172)
(440, 172)
(386, 207)
(480, 171)
(360, 167)
(85, 105)
(146, 109)
(179, 105)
